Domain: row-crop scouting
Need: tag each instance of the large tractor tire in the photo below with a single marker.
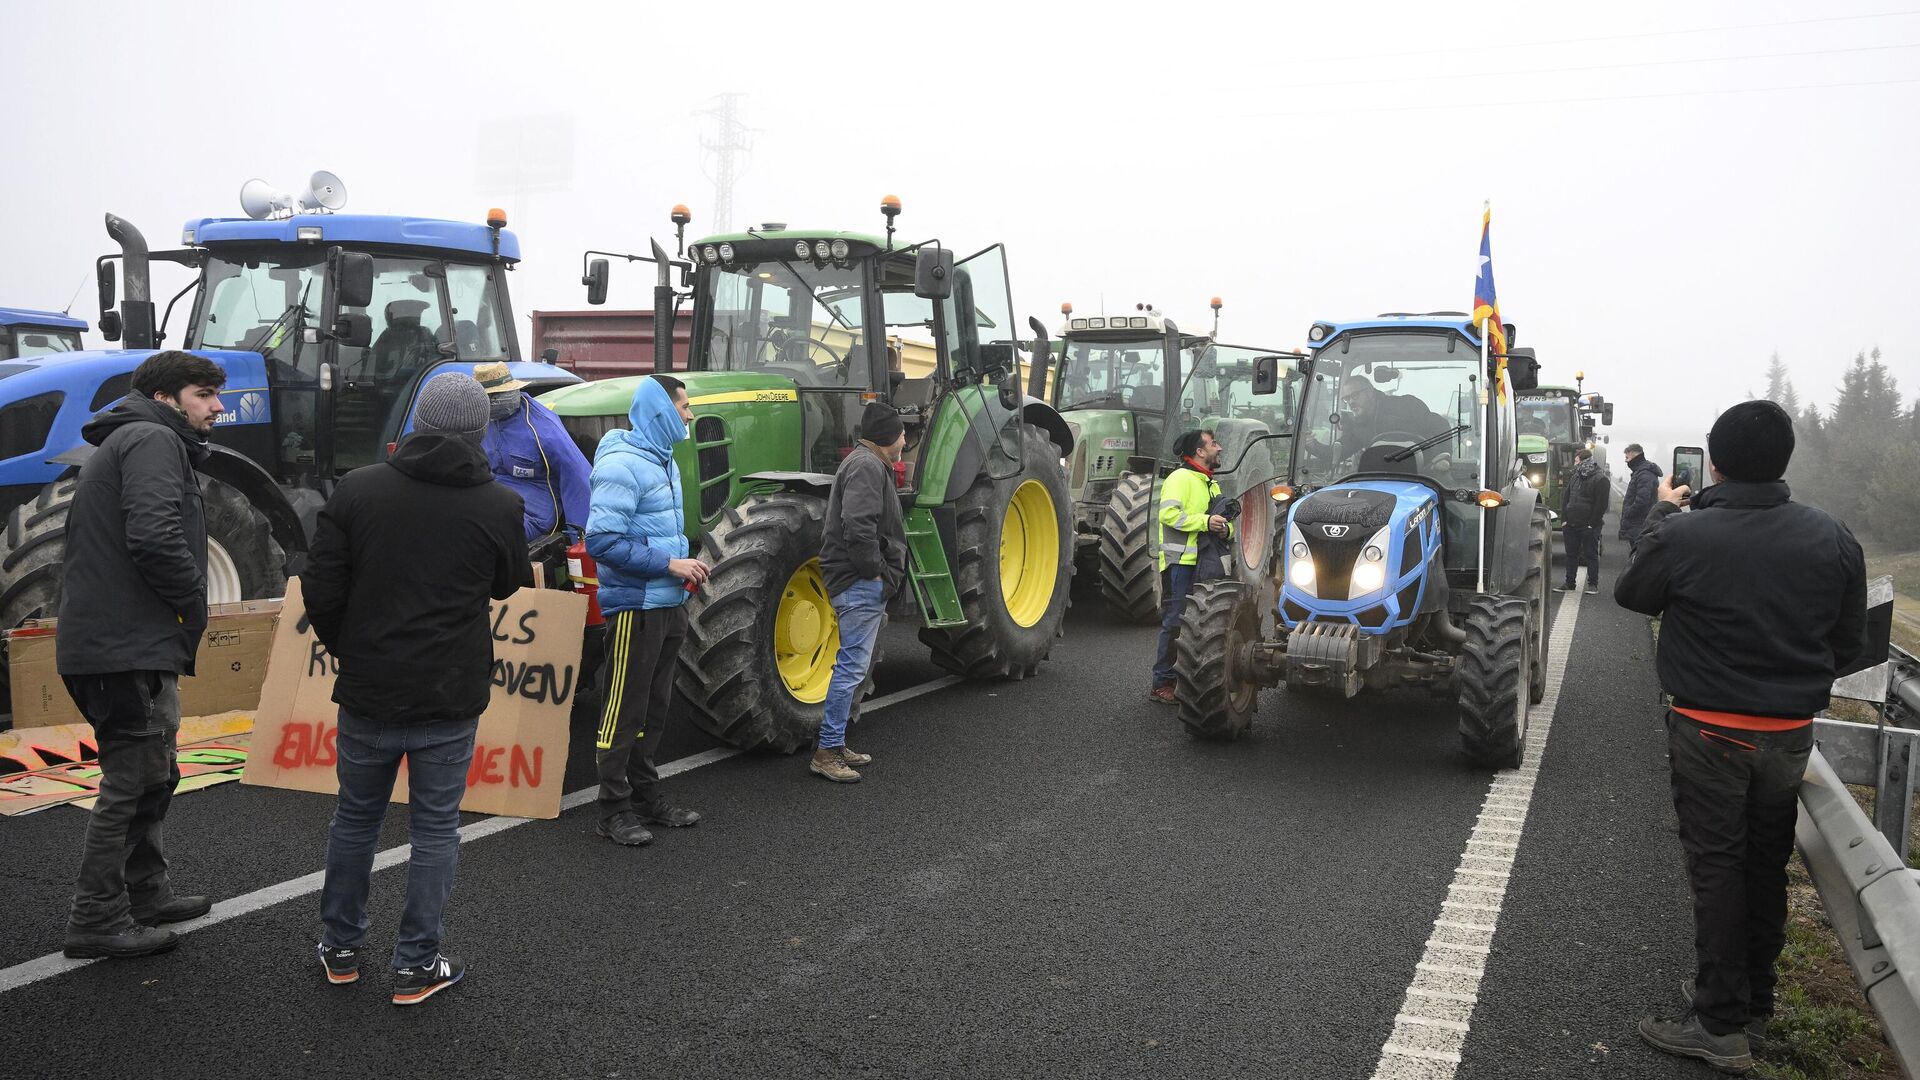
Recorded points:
(761, 633)
(1216, 697)
(1539, 580)
(1129, 573)
(1490, 680)
(1012, 568)
(244, 562)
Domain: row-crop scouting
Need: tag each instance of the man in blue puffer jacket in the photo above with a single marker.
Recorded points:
(635, 533)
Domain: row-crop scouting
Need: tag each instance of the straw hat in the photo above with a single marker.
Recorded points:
(494, 378)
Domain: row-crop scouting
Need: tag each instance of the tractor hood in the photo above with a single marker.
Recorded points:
(1388, 524)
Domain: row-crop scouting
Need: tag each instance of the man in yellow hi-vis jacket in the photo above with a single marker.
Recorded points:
(1186, 496)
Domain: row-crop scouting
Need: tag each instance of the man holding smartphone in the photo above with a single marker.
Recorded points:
(1762, 603)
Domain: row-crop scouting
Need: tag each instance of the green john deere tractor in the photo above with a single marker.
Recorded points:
(1128, 386)
(794, 332)
(1549, 433)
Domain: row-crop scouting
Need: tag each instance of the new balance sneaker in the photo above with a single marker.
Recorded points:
(342, 965)
(413, 985)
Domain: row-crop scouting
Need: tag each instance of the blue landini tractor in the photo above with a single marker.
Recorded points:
(326, 324)
(1413, 550)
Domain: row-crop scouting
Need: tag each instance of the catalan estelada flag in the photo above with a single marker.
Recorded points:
(1486, 303)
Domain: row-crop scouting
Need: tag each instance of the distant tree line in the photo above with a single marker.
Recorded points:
(1860, 459)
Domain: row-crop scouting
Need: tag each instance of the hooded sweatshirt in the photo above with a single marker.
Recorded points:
(134, 586)
(637, 521)
(406, 555)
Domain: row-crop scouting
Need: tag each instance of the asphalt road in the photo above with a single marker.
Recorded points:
(1046, 878)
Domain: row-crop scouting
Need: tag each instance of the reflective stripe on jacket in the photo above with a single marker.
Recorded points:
(1184, 498)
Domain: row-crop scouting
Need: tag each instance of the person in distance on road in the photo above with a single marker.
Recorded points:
(1762, 602)
(636, 533)
(864, 559)
(133, 608)
(1641, 485)
(1185, 497)
(1584, 506)
(406, 555)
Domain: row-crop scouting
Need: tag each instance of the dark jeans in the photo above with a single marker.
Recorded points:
(1735, 792)
(1583, 548)
(1175, 583)
(123, 865)
(437, 754)
(642, 647)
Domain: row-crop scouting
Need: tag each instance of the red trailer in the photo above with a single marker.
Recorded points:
(602, 344)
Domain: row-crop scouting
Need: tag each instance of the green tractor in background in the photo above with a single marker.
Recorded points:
(1555, 421)
(1128, 385)
(794, 332)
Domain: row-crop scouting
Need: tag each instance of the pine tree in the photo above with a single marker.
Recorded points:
(1777, 381)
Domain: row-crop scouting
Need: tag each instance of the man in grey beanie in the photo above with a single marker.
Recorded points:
(406, 555)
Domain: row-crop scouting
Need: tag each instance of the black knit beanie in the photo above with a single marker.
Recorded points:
(880, 424)
(1752, 441)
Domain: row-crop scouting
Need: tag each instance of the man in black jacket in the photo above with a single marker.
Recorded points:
(1640, 497)
(133, 607)
(1762, 602)
(864, 560)
(406, 555)
(1583, 505)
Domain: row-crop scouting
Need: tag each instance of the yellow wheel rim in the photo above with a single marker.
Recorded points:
(1029, 553)
(806, 635)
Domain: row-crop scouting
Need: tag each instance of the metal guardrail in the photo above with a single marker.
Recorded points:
(1859, 866)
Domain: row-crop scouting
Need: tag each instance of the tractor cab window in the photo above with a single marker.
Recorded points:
(1218, 396)
(26, 341)
(1407, 403)
(1114, 375)
(375, 384)
(795, 318)
(1551, 418)
(474, 294)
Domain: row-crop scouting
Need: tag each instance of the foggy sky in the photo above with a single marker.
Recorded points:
(1662, 223)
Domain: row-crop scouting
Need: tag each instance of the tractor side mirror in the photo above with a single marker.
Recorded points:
(596, 282)
(110, 325)
(550, 356)
(1606, 414)
(1010, 390)
(353, 279)
(933, 273)
(349, 283)
(109, 318)
(1266, 375)
(1523, 369)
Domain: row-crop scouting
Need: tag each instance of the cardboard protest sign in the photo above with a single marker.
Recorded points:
(520, 754)
(59, 766)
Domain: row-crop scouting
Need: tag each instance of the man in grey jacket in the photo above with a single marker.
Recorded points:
(864, 560)
(133, 608)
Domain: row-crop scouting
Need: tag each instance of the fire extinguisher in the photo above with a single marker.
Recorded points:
(586, 580)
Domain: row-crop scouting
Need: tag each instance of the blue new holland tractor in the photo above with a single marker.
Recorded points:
(1413, 551)
(326, 324)
(25, 333)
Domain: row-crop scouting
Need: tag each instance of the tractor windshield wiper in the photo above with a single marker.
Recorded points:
(1425, 443)
(274, 332)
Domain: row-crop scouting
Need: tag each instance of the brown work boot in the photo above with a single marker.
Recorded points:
(828, 763)
(848, 755)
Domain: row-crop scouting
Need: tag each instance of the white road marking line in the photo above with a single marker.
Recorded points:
(1428, 1021)
(1512, 794)
(46, 967)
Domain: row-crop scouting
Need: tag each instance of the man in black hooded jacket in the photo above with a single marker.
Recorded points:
(405, 557)
(133, 607)
(1638, 502)
(1762, 603)
(1584, 507)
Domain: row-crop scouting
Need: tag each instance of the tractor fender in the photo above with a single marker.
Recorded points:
(241, 472)
(1512, 551)
(1047, 419)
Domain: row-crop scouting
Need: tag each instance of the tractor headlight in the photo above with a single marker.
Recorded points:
(801, 248)
(726, 252)
(1536, 479)
(1300, 561)
(1370, 569)
(822, 250)
(1537, 459)
(839, 249)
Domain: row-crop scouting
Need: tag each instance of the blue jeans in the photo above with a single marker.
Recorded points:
(437, 755)
(861, 607)
(1176, 582)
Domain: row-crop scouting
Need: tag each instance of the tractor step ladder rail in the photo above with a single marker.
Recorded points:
(930, 565)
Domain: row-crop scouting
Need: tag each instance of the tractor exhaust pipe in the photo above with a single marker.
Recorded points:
(136, 310)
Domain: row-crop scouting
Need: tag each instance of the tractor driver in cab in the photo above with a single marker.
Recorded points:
(1368, 412)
